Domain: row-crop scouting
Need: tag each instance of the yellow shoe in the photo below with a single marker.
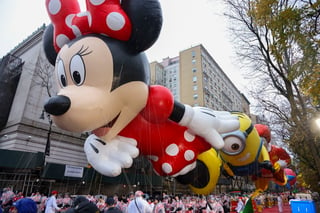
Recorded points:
(203, 179)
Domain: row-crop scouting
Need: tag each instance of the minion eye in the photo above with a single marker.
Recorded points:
(233, 144)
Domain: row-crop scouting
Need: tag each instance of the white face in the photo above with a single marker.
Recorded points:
(85, 75)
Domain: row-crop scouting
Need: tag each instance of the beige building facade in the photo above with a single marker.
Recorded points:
(196, 79)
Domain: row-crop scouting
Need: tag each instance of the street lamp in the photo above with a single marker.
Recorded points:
(47, 149)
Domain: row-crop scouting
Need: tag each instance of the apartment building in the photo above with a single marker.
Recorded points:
(196, 79)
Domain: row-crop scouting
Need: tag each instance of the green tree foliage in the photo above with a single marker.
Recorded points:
(278, 41)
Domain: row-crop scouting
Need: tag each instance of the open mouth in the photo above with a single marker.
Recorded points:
(101, 131)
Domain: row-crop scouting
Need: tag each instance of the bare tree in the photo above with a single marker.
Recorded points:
(44, 72)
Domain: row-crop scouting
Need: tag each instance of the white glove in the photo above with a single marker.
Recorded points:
(209, 124)
(282, 164)
(108, 158)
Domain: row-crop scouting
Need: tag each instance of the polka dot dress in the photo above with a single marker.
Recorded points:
(171, 148)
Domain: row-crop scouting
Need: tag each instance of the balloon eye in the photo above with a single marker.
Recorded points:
(77, 70)
(61, 74)
(233, 145)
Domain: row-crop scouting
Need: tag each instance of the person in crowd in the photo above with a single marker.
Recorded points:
(280, 203)
(101, 204)
(116, 200)
(124, 204)
(83, 205)
(177, 204)
(18, 196)
(59, 200)
(158, 205)
(214, 205)
(111, 206)
(240, 205)
(91, 198)
(66, 201)
(139, 204)
(202, 203)
(290, 196)
(36, 197)
(226, 203)
(24, 205)
(43, 202)
(7, 199)
(51, 204)
(150, 200)
(131, 196)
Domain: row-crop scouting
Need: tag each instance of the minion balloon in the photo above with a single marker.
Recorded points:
(244, 153)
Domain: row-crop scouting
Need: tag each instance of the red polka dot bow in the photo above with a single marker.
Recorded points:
(102, 16)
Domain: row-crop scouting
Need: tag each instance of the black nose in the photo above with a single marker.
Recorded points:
(57, 105)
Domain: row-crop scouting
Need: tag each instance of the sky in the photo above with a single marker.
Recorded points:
(186, 23)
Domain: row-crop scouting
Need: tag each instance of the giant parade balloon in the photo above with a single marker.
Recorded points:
(103, 78)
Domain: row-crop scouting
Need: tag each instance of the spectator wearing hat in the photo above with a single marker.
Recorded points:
(111, 206)
(139, 204)
(24, 205)
(83, 205)
(51, 205)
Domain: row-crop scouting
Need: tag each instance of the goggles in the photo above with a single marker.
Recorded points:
(235, 142)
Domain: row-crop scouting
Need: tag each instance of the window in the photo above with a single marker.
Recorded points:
(195, 96)
(194, 79)
(193, 53)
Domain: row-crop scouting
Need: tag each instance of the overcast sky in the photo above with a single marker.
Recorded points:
(186, 23)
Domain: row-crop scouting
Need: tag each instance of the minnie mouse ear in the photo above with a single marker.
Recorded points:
(146, 20)
(48, 47)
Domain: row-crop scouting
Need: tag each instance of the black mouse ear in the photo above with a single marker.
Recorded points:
(48, 47)
(146, 20)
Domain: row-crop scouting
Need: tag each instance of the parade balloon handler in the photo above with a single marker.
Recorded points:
(103, 76)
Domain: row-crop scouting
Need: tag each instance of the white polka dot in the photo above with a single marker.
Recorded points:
(188, 136)
(167, 168)
(68, 19)
(153, 158)
(54, 7)
(189, 155)
(97, 2)
(61, 40)
(172, 149)
(76, 31)
(115, 21)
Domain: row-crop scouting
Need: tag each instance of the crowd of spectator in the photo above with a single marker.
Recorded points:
(139, 202)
